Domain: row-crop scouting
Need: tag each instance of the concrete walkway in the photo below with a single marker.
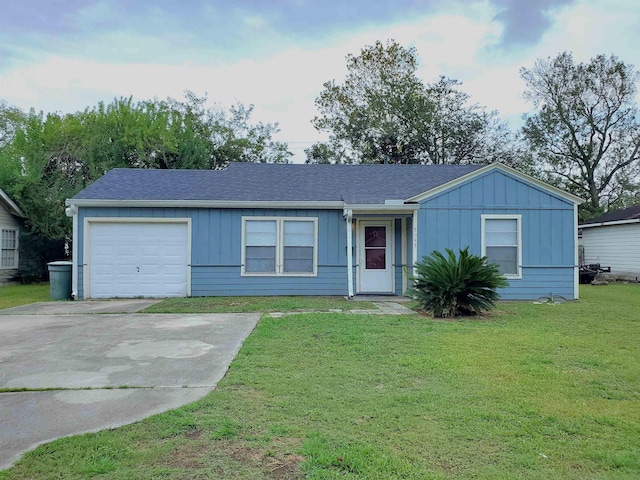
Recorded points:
(129, 305)
(172, 359)
(383, 307)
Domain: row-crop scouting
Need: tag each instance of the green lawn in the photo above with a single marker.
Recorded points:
(14, 295)
(254, 304)
(530, 392)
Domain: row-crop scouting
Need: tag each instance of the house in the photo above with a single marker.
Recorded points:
(613, 240)
(10, 221)
(284, 229)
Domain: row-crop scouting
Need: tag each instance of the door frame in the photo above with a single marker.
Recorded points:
(86, 244)
(389, 223)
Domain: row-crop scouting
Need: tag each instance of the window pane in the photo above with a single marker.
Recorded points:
(299, 234)
(375, 237)
(8, 239)
(8, 258)
(501, 238)
(8, 244)
(260, 233)
(505, 257)
(375, 258)
(499, 231)
(260, 259)
(298, 259)
(501, 225)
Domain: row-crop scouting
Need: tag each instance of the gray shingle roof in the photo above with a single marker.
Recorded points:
(354, 184)
(631, 213)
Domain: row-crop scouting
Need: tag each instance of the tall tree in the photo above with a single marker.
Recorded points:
(585, 134)
(324, 153)
(383, 112)
(454, 130)
(11, 120)
(234, 139)
(45, 159)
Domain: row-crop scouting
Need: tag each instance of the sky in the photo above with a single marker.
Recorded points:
(66, 55)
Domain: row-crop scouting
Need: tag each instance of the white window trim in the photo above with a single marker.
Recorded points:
(280, 247)
(518, 219)
(16, 249)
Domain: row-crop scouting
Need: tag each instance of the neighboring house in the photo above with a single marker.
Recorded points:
(613, 240)
(263, 229)
(10, 221)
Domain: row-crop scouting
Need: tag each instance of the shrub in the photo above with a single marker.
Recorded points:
(36, 251)
(450, 286)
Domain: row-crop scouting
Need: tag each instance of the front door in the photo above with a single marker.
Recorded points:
(375, 257)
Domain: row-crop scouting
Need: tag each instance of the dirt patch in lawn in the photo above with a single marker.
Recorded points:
(276, 465)
(271, 462)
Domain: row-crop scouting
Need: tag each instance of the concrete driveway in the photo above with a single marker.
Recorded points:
(176, 358)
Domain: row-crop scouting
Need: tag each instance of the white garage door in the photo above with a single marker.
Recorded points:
(137, 260)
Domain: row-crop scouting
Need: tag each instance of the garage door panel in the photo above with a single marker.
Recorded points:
(138, 259)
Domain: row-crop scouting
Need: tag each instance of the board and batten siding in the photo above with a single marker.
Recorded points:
(615, 246)
(453, 219)
(216, 250)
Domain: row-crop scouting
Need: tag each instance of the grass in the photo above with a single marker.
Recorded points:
(529, 392)
(15, 295)
(254, 304)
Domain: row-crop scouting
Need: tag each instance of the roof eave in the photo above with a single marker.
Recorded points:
(88, 202)
(11, 205)
(613, 222)
(327, 205)
(372, 208)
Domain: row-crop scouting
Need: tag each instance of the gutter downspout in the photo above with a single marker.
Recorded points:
(72, 211)
(576, 266)
(348, 219)
(414, 239)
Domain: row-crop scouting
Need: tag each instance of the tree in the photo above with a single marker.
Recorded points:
(585, 135)
(45, 159)
(234, 139)
(323, 153)
(458, 131)
(383, 112)
(11, 120)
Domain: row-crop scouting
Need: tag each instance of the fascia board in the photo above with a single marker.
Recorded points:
(605, 224)
(382, 208)
(83, 202)
(495, 166)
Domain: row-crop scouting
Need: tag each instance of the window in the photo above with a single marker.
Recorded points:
(260, 251)
(502, 243)
(8, 248)
(279, 246)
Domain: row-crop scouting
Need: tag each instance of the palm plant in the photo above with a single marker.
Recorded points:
(452, 286)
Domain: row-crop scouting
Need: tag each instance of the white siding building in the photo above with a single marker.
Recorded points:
(10, 221)
(613, 240)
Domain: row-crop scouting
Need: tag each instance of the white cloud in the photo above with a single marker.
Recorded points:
(460, 42)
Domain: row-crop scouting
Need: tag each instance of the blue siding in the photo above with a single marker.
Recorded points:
(225, 281)
(452, 219)
(216, 251)
(540, 282)
(397, 260)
